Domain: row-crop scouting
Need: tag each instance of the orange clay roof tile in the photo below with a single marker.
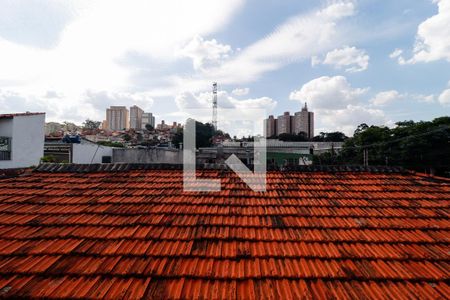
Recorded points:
(131, 232)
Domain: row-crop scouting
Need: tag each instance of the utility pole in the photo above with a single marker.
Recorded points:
(214, 107)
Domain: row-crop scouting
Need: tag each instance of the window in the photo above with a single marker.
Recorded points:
(106, 159)
(5, 148)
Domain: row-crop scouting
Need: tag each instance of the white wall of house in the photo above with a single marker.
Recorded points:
(27, 140)
(86, 153)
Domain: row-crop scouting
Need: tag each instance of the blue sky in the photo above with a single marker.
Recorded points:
(353, 61)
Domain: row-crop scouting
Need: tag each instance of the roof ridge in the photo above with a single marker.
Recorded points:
(429, 176)
(120, 167)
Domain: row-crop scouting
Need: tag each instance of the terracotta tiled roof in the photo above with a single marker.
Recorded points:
(134, 233)
(3, 116)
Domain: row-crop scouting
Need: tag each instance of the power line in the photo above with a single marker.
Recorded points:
(442, 128)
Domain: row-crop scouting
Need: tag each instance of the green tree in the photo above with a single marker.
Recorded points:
(289, 137)
(422, 146)
(127, 137)
(149, 127)
(90, 124)
(203, 135)
(335, 136)
(48, 159)
(111, 144)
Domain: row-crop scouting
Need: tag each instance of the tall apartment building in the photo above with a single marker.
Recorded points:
(136, 117)
(270, 126)
(306, 121)
(117, 118)
(284, 123)
(302, 121)
(147, 118)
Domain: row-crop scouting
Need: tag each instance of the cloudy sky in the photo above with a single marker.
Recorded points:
(373, 61)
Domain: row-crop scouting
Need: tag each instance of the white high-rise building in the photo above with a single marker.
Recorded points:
(136, 117)
(117, 118)
(284, 123)
(306, 123)
(147, 118)
(302, 121)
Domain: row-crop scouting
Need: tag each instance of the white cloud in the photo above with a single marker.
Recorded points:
(444, 97)
(328, 93)
(88, 52)
(337, 10)
(424, 98)
(432, 38)
(350, 58)
(199, 106)
(90, 48)
(189, 100)
(348, 118)
(396, 53)
(56, 108)
(53, 94)
(240, 91)
(20, 23)
(101, 100)
(205, 54)
(337, 105)
(386, 97)
(298, 38)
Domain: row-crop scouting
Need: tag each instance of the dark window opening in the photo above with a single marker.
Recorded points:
(5, 148)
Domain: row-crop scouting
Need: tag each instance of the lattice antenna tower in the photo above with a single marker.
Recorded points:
(214, 105)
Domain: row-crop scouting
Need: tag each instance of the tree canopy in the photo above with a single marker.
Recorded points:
(149, 127)
(90, 124)
(422, 146)
(288, 137)
(335, 136)
(203, 135)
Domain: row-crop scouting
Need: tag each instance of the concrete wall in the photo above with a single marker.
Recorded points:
(147, 156)
(86, 153)
(27, 140)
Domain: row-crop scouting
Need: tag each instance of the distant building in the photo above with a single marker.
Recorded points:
(136, 117)
(302, 121)
(105, 125)
(117, 118)
(271, 126)
(163, 126)
(82, 151)
(306, 122)
(21, 140)
(147, 118)
(284, 123)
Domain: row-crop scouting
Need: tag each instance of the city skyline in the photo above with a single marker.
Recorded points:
(262, 54)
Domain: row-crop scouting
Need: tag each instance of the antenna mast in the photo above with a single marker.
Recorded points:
(214, 103)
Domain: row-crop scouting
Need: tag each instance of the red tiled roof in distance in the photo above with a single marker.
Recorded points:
(131, 232)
